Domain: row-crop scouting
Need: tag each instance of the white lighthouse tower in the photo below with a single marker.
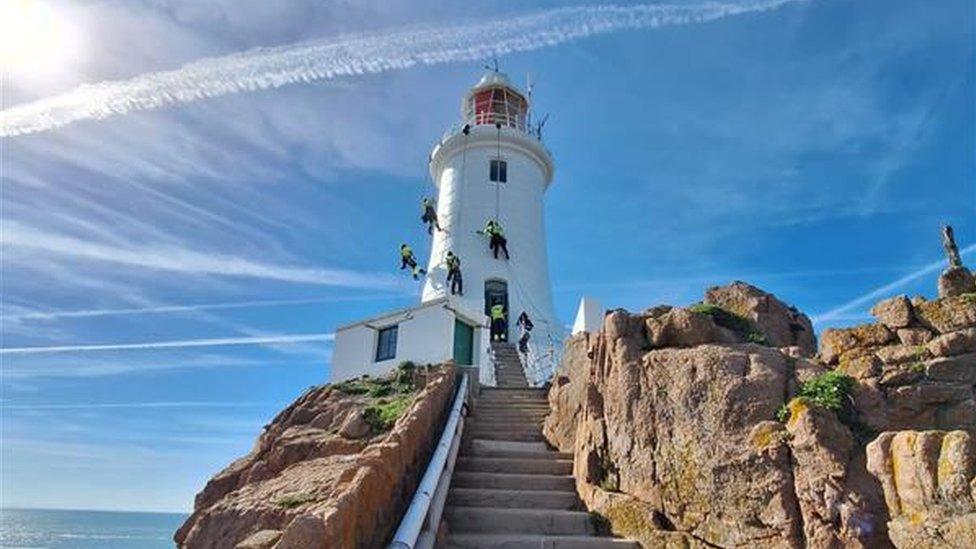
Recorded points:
(494, 166)
(490, 166)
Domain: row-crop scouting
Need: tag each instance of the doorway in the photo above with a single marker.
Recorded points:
(463, 343)
(496, 292)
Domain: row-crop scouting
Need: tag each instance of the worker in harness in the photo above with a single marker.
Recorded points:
(497, 312)
(429, 207)
(454, 274)
(493, 230)
(407, 259)
(525, 324)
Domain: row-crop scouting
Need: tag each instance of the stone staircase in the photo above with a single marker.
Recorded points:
(508, 366)
(509, 490)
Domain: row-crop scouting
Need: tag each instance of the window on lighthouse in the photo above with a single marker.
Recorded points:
(498, 171)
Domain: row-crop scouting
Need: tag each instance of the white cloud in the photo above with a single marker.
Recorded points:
(174, 344)
(178, 259)
(165, 309)
(353, 55)
(887, 289)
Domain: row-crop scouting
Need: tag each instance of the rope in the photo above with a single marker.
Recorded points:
(498, 159)
(459, 208)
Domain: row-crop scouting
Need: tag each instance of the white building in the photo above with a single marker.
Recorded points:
(492, 165)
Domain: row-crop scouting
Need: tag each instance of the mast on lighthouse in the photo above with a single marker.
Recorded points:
(494, 166)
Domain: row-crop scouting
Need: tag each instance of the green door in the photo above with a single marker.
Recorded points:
(463, 343)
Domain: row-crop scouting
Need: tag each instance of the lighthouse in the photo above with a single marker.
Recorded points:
(491, 165)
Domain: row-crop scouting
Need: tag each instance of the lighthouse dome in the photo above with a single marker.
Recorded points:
(492, 79)
(494, 100)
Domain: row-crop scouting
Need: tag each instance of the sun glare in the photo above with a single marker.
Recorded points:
(35, 40)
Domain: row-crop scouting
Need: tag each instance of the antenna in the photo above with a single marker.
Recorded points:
(494, 64)
(542, 124)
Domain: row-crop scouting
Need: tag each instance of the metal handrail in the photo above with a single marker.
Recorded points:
(428, 501)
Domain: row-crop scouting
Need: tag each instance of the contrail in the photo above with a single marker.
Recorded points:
(888, 288)
(170, 404)
(86, 313)
(177, 344)
(183, 260)
(331, 58)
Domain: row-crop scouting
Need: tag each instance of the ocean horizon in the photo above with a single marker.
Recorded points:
(23, 528)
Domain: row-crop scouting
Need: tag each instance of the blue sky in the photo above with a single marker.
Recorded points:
(813, 150)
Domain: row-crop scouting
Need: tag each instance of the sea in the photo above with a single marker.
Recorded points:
(55, 529)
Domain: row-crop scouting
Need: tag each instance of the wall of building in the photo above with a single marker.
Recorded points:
(425, 336)
(467, 200)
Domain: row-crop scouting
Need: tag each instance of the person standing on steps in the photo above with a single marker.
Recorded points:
(498, 322)
(429, 207)
(493, 230)
(407, 259)
(525, 323)
(454, 274)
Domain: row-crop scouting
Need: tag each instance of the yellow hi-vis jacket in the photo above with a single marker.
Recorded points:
(406, 252)
(497, 312)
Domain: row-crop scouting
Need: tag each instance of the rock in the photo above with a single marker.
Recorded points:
(681, 327)
(958, 369)
(355, 427)
(304, 532)
(956, 281)
(823, 450)
(834, 343)
(262, 539)
(928, 480)
(861, 366)
(566, 394)
(954, 343)
(676, 429)
(307, 482)
(781, 324)
(914, 336)
(948, 314)
(894, 313)
(900, 354)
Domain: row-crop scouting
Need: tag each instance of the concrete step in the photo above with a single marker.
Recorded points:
(530, 521)
(516, 465)
(519, 541)
(529, 416)
(502, 406)
(515, 499)
(513, 394)
(526, 391)
(488, 424)
(521, 436)
(505, 448)
(503, 399)
(507, 481)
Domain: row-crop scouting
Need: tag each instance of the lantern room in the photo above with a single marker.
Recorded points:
(494, 100)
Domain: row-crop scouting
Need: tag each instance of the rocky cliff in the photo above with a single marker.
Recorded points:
(335, 469)
(716, 426)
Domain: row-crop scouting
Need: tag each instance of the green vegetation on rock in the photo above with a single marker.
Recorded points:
(394, 393)
(382, 415)
(291, 501)
(727, 319)
(829, 390)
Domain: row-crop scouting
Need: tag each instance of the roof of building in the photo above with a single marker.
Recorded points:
(492, 79)
(404, 313)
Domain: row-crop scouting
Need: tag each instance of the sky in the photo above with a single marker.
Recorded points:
(171, 277)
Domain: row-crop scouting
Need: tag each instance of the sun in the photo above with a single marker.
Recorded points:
(35, 40)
